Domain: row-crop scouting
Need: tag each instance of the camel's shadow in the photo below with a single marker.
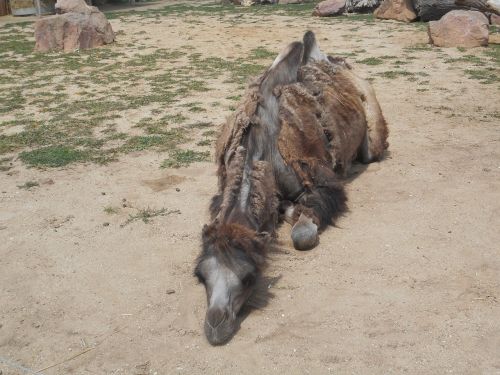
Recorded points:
(260, 298)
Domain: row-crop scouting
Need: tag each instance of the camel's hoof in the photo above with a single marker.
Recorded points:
(305, 234)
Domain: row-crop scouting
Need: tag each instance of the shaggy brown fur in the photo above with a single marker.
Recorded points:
(297, 129)
(224, 240)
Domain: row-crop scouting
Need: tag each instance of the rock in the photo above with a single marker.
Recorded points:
(495, 19)
(72, 6)
(329, 8)
(460, 28)
(431, 10)
(72, 31)
(282, 2)
(361, 6)
(399, 10)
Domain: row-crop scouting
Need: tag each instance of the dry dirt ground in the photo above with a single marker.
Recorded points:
(92, 282)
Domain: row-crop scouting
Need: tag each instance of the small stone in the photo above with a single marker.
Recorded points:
(105, 224)
(103, 193)
(47, 181)
(177, 189)
(170, 291)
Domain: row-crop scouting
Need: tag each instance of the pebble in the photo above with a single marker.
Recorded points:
(170, 291)
(105, 224)
(47, 181)
(177, 189)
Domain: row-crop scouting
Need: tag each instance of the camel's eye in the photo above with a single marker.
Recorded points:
(248, 280)
(200, 277)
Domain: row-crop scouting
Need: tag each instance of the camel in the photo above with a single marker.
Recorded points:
(282, 155)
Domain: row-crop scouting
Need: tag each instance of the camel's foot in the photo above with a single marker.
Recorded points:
(305, 233)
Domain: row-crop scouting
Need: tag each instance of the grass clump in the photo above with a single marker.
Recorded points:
(110, 210)
(28, 185)
(392, 74)
(183, 158)
(52, 156)
(262, 53)
(484, 76)
(371, 61)
(146, 214)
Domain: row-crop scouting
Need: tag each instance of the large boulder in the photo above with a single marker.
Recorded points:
(399, 10)
(460, 28)
(73, 6)
(329, 8)
(431, 10)
(71, 31)
(361, 6)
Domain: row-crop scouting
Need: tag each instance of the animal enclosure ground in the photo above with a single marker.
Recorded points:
(105, 180)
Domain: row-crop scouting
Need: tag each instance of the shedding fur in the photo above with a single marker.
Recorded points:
(294, 135)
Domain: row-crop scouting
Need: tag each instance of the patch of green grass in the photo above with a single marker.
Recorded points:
(218, 10)
(53, 156)
(163, 141)
(183, 158)
(209, 133)
(262, 53)
(28, 185)
(418, 48)
(493, 52)
(110, 210)
(392, 74)
(177, 118)
(484, 76)
(145, 215)
(368, 18)
(371, 61)
(234, 97)
(469, 59)
(201, 125)
(16, 42)
(205, 142)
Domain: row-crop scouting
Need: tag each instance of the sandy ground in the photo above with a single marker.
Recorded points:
(409, 281)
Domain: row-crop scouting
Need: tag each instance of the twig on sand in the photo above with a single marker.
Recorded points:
(116, 330)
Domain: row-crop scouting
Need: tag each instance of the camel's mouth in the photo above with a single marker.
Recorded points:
(220, 332)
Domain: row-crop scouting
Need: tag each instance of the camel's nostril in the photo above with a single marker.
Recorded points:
(215, 316)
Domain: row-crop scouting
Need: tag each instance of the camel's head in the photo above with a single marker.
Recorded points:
(229, 266)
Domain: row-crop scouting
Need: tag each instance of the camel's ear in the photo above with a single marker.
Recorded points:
(311, 49)
(284, 68)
